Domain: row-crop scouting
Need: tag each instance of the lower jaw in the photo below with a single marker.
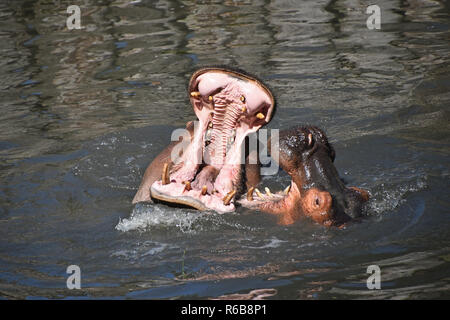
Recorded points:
(220, 199)
(280, 202)
(175, 193)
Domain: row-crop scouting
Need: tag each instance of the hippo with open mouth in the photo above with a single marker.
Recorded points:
(209, 167)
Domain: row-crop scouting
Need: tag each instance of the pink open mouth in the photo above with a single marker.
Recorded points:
(208, 175)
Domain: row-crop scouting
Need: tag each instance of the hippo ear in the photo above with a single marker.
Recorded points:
(310, 141)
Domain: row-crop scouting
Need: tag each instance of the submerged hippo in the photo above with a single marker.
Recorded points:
(213, 166)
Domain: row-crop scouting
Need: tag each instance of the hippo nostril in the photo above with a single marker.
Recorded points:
(317, 205)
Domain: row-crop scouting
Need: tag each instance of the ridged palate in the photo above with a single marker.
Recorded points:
(224, 120)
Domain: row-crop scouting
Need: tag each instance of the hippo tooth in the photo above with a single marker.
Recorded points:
(187, 185)
(260, 195)
(244, 109)
(210, 98)
(228, 197)
(242, 98)
(195, 94)
(250, 194)
(208, 135)
(260, 116)
(165, 174)
(268, 192)
(204, 189)
(286, 191)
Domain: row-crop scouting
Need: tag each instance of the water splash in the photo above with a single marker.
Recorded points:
(150, 217)
(145, 217)
(386, 197)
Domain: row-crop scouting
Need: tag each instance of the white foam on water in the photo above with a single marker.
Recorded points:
(272, 243)
(143, 249)
(145, 217)
(156, 250)
(148, 217)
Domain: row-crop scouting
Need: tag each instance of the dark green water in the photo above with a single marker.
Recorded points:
(84, 111)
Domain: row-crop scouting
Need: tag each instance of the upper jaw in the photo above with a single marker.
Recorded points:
(229, 105)
(206, 83)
